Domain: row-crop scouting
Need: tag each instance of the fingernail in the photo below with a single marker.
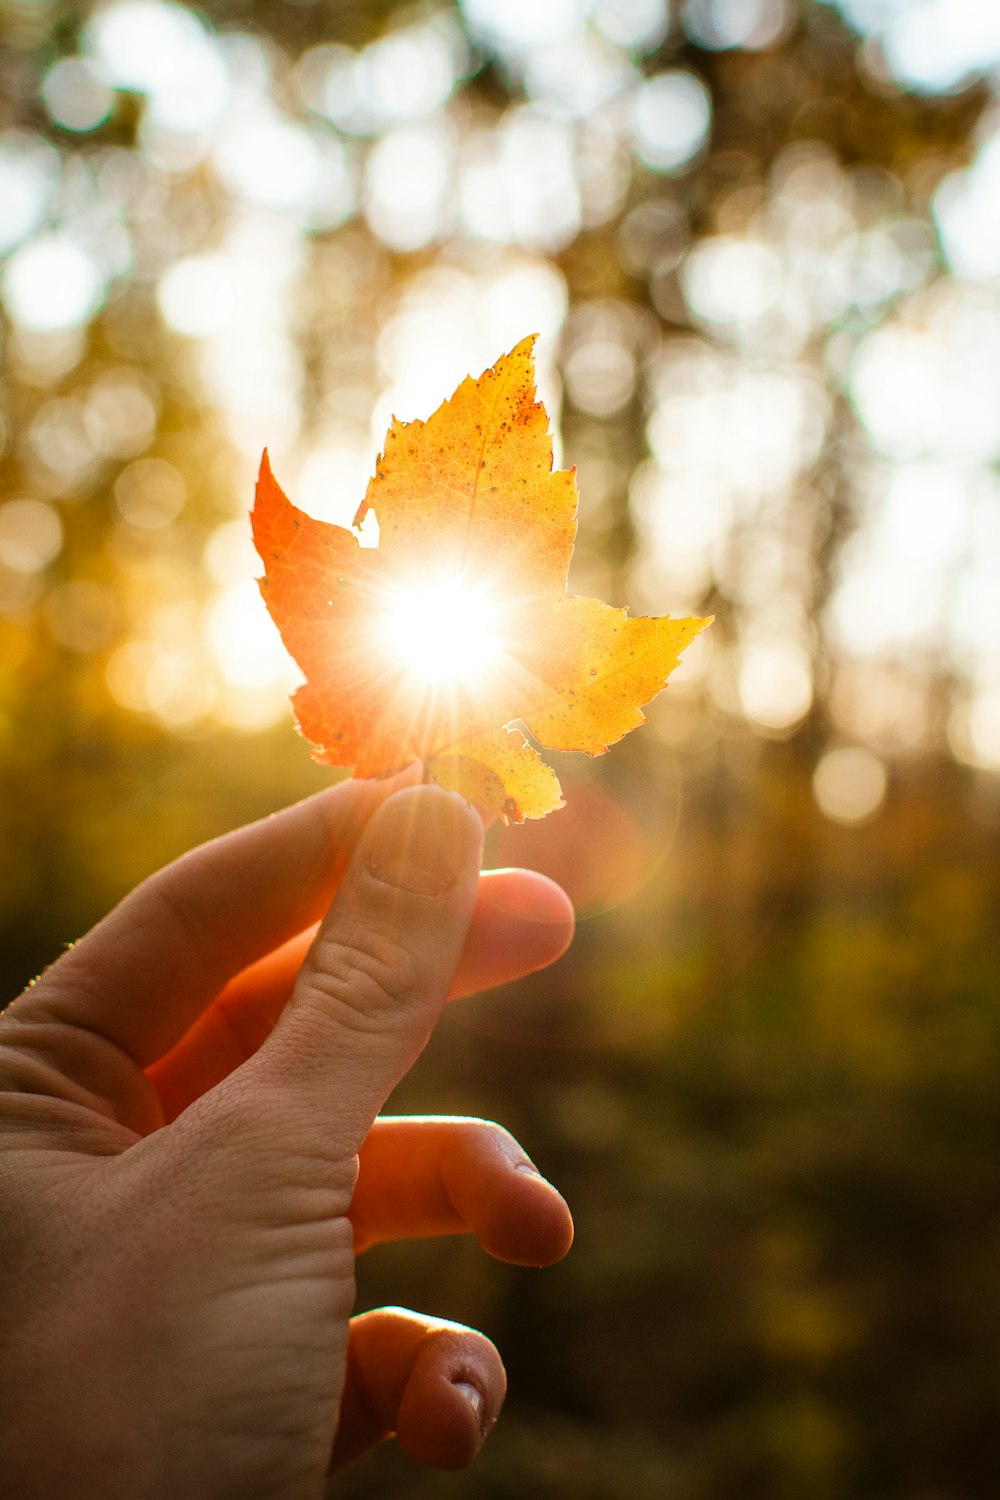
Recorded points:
(529, 1169)
(424, 840)
(473, 1395)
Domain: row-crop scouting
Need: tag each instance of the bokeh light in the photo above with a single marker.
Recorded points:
(850, 784)
(166, 53)
(974, 728)
(76, 95)
(150, 493)
(671, 118)
(409, 174)
(51, 283)
(721, 24)
(29, 175)
(637, 25)
(30, 535)
(196, 295)
(775, 684)
(523, 25)
(930, 46)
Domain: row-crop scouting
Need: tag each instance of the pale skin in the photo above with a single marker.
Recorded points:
(185, 1098)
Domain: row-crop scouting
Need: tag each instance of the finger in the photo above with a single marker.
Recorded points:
(437, 1386)
(441, 1175)
(521, 921)
(374, 981)
(133, 986)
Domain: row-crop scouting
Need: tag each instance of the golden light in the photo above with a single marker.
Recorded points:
(445, 632)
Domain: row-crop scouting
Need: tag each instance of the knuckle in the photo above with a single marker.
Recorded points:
(486, 1138)
(369, 990)
(163, 902)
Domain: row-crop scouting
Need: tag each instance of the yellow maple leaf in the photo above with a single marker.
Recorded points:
(458, 623)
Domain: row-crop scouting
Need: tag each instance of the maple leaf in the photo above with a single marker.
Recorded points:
(430, 645)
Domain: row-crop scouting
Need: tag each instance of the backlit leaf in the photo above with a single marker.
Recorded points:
(430, 645)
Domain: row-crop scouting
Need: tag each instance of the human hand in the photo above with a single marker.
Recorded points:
(179, 1147)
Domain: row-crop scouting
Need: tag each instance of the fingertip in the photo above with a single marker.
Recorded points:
(424, 839)
(553, 1216)
(497, 1191)
(452, 1400)
(522, 922)
(529, 896)
(530, 1224)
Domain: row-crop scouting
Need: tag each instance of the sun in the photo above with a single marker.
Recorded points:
(445, 631)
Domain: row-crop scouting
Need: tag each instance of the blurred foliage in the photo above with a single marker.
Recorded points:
(765, 1073)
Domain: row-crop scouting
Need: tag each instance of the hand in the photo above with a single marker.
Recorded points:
(179, 1188)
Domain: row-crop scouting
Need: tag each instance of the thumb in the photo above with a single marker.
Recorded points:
(376, 977)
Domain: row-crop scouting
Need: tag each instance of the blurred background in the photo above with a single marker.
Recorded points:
(760, 241)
